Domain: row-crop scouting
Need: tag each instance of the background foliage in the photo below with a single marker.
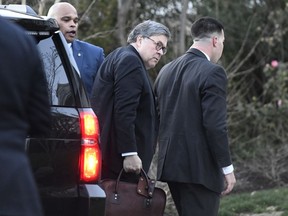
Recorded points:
(255, 58)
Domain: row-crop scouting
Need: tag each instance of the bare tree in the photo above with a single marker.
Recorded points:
(217, 8)
(183, 18)
(42, 5)
(123, 9)
(87, 11)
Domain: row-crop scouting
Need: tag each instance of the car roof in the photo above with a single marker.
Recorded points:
(18, 11)
(26, 17)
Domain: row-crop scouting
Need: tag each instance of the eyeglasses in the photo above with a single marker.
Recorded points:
(159, 46)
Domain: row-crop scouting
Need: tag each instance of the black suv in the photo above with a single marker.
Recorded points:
(66, 164)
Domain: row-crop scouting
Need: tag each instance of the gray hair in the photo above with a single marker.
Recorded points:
(146, 29)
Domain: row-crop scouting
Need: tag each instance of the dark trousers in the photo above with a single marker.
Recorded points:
(194, 199)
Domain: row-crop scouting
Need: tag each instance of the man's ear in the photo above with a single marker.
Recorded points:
(214, 41)
(139, 40)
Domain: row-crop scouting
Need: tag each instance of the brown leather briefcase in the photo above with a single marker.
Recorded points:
(132, 199)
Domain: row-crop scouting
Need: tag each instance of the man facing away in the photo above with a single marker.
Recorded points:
(24, 110)
(194, 157)
(123, 100)
(87, 56)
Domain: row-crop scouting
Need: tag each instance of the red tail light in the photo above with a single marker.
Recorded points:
(90, 158)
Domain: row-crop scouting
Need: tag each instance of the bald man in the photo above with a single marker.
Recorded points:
(87, 56)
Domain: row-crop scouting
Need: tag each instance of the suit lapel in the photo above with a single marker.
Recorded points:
(77, 53)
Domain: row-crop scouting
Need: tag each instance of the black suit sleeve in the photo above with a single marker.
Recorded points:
(127, 89)
(214, 109)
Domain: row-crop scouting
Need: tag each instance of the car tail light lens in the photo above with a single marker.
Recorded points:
(90, 158)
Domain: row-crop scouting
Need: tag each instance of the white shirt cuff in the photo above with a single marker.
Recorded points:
(228, 169)
(129, 154)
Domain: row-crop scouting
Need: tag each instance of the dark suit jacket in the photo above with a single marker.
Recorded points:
(24, 109)
(88, 58)
(191, 94)
(123, 100)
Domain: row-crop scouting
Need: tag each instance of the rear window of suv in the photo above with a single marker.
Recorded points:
(59, 89)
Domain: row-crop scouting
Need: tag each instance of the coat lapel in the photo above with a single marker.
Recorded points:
(77, 53)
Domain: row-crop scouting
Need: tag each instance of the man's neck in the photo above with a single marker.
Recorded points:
(202, 48)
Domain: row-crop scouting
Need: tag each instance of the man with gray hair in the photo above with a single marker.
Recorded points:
(123, 100)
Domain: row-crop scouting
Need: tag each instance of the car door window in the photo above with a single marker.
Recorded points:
(59, 89)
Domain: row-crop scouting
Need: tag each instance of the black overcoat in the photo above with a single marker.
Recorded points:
(193, 141)
(124, 102)
(24, 110)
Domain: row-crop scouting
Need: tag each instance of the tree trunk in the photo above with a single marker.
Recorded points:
(123, 9)
(217, 8)
(183, 18)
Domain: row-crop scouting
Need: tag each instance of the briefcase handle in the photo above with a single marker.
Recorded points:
(145, 185)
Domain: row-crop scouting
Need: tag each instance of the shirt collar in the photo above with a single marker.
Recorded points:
(205, 55)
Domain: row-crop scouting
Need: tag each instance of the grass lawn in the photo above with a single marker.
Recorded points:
(255, 202)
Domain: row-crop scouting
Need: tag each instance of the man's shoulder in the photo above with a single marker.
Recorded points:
(86, 45)
(13, 30)
(14, 37)
(128, 55)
